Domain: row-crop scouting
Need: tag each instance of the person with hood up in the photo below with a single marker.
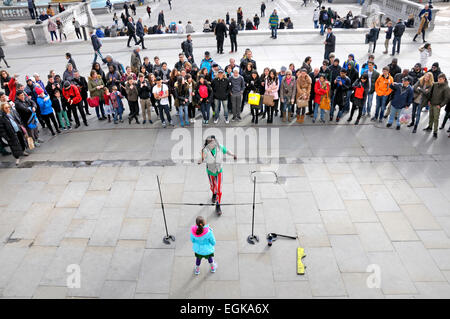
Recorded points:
(203, 241)
(360, 90)
(351, 57)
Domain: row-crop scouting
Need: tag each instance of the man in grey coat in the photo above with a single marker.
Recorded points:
(237, 89)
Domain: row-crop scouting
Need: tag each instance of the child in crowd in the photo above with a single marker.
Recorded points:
(203, 241)
(108, 107)
(61, 110)
(116, 102)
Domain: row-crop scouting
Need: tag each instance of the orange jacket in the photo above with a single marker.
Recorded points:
(382, 85)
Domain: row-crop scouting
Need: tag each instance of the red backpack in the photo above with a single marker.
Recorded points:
(359, 92)
(203, 91)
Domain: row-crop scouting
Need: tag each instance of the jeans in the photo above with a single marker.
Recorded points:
(368, 104)
(99, 54)
(316, 24)
(396, 43)
(183, 112)
(233, 43)
(102, 110)
(395, 113)
(205, 108)
(381, 105)
(316, 110)
(287, 105)
(322, 28)
(164, 109)
(53, 34)
(118, 114)
(78, 32)
(274, 32)
(417, 109)
(224, 104)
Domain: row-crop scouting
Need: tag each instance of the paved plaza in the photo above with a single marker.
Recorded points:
(360, 198)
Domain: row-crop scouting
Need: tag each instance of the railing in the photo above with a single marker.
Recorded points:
(395, 9)
(39, 34)
(22, 13)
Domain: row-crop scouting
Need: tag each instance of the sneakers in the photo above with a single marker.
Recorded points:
(216, 121)
(164, 124)
(213, 267)
(435, 135)
(227, 121)
(197, 270)
(398, 127)
(428, 128)
(373, 119)
(389, 125)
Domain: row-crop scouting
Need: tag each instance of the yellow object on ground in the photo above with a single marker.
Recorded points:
(300, 266)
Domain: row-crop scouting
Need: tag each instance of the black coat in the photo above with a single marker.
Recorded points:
(82, 85)
(221, 31)
(221, 88)
(7, 132)
(23, 108)
(2, 54)
(330, 42)
(131, 29)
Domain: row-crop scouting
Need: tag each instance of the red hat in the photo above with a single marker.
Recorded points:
(39, 90)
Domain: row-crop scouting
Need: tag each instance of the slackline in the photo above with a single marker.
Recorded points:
(210, 204)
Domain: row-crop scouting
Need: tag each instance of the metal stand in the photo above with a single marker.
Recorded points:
(167, 238)
(252, 239)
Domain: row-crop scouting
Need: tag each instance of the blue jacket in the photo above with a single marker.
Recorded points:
(423, 11)
(203, 243)
(139, 29)
(45, 105)
(207, 64)
(403, 97)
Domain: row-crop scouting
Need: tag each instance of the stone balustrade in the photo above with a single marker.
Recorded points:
(395, 9)
(22, 13)
(39, 34)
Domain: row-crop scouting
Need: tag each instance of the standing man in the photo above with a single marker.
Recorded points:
(233, 31)
(330, 43)
(170, 4)
(263, 9)
(426, 10)
(403, 97)
(77, 27)
(237, 90)
(81, 83)
(32, 9)
(140, 33)
(388, 32)
(161, 19)
(96, 45)
(144, 92)
(131, 31)
(273, 23)
(221, 33)
(161, 93)
(221, 89)
(439, 95)
(323, 19)
(187, 48)
(399, 29)
(372, 76)
(213, 153)
(136, 62)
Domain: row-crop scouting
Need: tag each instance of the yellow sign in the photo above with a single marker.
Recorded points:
(300, 266)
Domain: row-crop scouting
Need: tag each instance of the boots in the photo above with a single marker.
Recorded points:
(411, 124)
(283, 115)
(298, 118)
(302, 119)
(415, 129)
(289, 116)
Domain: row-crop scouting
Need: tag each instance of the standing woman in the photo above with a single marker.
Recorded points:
(422, 27)
(51, 27)
(192, 100)
(95, 87)
(302, 94)
(422, 90)
(425, 53)
(288, 87)
(203, 93)
(271, 86)
(10, 130)
(233, 31)
(97, 68)
(171, 84)
(132, 97)
(321, 89)
(4, 80)
(240, 15)
(254, 85)
(181, 94)
(263, 79)
(60, 26)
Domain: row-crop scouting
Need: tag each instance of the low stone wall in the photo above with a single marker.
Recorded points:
(395, 9)
(39, 34)
(22, 13)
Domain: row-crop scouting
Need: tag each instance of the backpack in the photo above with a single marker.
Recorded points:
(359, 92)
(325, 16)
(203, 91)
(183, 46)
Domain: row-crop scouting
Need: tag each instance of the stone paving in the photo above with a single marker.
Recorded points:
(354, 196)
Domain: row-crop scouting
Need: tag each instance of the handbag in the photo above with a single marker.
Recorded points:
(367, 38)
(93, 101)
(30, 142)
(325, 102)
(301, 103)
(268, 100)
(254, 98)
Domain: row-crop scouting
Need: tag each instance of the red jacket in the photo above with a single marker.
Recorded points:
(72, 94)
(319, 91)
(12, 89)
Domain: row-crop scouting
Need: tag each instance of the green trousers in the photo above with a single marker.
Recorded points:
(65, 123)
(434, 117)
